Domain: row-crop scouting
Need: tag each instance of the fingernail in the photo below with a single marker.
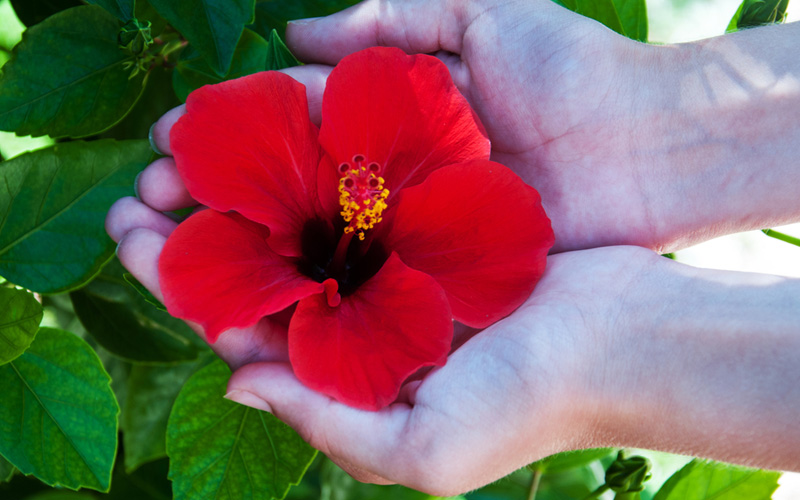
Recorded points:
(303, 22)
(248, 399)
(153, 142)
(136, 186)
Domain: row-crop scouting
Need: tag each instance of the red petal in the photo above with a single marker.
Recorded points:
(217, 270)
(361, 351)
(400, 111)
(480, 231)
(248, 145)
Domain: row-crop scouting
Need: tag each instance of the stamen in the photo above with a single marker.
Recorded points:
(361, 195)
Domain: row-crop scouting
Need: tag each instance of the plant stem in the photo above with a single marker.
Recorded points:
(537, 477)
(780, 236)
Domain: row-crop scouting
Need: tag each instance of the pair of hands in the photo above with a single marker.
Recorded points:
(562, 101)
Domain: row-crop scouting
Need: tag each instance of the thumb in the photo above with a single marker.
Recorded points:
(415, 26)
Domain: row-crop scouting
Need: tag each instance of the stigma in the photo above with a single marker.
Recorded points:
(361, 195)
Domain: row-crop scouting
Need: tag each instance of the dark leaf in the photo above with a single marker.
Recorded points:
(278, 54)
(58, 420)
(144, 292)
(273, 14)
(68, 77)
(121, 9)
(192, 71)
(212, 27)
(53, 209)
(223, 450)
(20, 315)
(32, 12)
(6, 469)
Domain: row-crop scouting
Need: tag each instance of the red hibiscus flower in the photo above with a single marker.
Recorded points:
(383, 225)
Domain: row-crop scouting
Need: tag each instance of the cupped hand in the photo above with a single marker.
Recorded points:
(554, 90)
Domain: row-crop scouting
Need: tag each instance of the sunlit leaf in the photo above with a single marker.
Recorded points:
(68, 77)
(752, 13)
(706, 480)
(58, 420)
(53, 208)
(570, 459)
(223, 450)
(20, 315)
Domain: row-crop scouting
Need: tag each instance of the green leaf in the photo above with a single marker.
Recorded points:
(212, 27)
(278, 54)
(337, 484)
(220, 449)
(68, 77)
(60, 495)
(273, 14)
(633, 17)
(603, 11)
(53, 209)
(58, 420)
(781, 236)
(192, 71)
(570, 459)
(122, 9)
(152, 391)
(117, 328)
(20, 315)
(6, 469)
(752, 13)
(706, 480)
(144, 292)
(149, 482)
(32, 12)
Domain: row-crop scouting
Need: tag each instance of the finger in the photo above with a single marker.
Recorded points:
(313, 76)
(128, 213)
(416, 26)
(138, 251)
(159, 132)
(367, 444)
(160, 186)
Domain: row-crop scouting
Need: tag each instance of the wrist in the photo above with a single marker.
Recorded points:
(707, 367)
(717, 134)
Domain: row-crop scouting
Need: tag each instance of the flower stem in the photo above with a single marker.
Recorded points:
(781, 236)
(537, 477)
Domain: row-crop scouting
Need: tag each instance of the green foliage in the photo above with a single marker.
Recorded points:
(20, 315)
(782, 236)
(64, 433)
(213, 27)
(6, 469)
(152, 391)
(192, 71)
(274, 14)
(122, 9)
(32, 12)
(53, 210)
(220, 449)
(706, 480)
(68, 77)
(752, 13)
(570, 459)
(144, 292)
(278, 54)
(626, 17)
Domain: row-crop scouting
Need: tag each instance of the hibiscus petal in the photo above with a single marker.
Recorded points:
(401, 111)
(217, 270)
(248, 145)
(480, 231)
(361, 351)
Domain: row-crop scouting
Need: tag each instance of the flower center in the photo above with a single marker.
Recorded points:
(361, 195)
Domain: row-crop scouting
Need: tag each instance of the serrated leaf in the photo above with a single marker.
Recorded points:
(212, 27)
(6, 469)
(273, 14)
(68, 77)
(20, 315)
(278, 54)
(707, 480)
(570, 459)
(752, 13)
(192, 71)
(144, 292)
(115, 327)
(121, 9)
(32, 12)
(223, 450)
(58, 420)
(152, 391)
(53, 206)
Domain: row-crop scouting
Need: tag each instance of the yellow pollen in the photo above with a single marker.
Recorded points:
(361, 195)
